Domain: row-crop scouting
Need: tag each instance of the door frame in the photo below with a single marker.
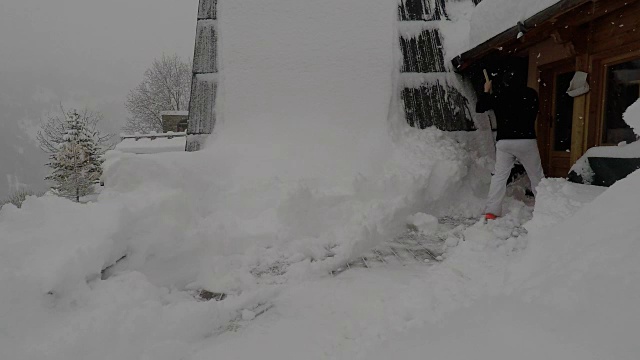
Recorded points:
(547, 95)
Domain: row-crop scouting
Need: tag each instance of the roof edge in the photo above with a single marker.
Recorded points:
(464, 60)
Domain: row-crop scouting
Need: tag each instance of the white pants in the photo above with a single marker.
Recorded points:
(507, 151)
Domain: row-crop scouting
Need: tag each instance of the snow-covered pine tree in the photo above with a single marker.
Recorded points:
(77, 161)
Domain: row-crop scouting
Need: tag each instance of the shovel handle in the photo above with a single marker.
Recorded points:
(486, 77)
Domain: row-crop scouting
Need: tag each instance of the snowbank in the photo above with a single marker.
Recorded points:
(492, 17)
(572, 294)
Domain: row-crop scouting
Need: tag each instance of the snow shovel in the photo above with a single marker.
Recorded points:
(486, 78)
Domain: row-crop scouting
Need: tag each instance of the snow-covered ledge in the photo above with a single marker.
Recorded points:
(604, 165)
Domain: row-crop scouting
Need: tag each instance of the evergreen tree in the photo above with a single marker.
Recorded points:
(77, 159)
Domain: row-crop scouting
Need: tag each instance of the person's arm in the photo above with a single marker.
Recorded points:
(485, 99)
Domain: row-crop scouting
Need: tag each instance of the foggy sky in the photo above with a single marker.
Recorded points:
(81, 53)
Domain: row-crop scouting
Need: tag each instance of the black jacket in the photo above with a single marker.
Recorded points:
(516, 111)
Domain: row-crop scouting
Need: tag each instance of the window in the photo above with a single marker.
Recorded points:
(622, 90)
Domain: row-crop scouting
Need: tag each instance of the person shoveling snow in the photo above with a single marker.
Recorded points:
(516, 108)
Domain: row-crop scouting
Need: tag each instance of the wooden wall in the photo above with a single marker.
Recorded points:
(590, 37)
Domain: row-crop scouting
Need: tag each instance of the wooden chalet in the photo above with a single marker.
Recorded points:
(598, 37)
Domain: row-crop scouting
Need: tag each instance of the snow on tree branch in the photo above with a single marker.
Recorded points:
(75, 148)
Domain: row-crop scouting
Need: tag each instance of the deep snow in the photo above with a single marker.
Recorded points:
(572, 295)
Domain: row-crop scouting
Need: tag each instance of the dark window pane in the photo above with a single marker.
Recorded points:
(623, 89)
(563, 117)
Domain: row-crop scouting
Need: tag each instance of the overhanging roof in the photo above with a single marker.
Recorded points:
(510, 36)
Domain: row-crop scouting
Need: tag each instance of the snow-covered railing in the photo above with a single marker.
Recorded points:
(153, 135)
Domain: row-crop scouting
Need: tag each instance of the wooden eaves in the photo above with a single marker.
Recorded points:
(510, 36)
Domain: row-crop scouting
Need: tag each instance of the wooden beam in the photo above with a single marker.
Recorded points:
(509, 36)
(582, 12)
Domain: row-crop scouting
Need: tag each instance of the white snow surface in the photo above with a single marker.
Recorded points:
(492, 17)
(571, 294)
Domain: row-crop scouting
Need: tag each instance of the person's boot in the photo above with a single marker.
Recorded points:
(490, 216)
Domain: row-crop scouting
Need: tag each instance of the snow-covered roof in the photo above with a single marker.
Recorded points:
(146, 145)
(497, 23)
(491, 17)
(175, 113)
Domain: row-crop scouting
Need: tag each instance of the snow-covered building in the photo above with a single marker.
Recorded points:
(553, 42)
(175, 121)
(558, 41)
(429, 93)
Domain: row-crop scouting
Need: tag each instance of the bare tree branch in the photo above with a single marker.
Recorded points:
(166, 86)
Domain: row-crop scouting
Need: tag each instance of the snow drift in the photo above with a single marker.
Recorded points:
(572, 294)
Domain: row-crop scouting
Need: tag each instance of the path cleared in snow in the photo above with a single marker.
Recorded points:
(469, 305)
(341, 317)
(344, 316)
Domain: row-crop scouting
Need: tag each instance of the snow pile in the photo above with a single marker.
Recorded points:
(424, 222)
(558, 200)
(58, 303)
(492, 17)
(622, 151)
(572, 294)
(632, 116)
(237, 216)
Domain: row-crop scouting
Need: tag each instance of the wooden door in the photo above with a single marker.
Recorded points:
(555, 119)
